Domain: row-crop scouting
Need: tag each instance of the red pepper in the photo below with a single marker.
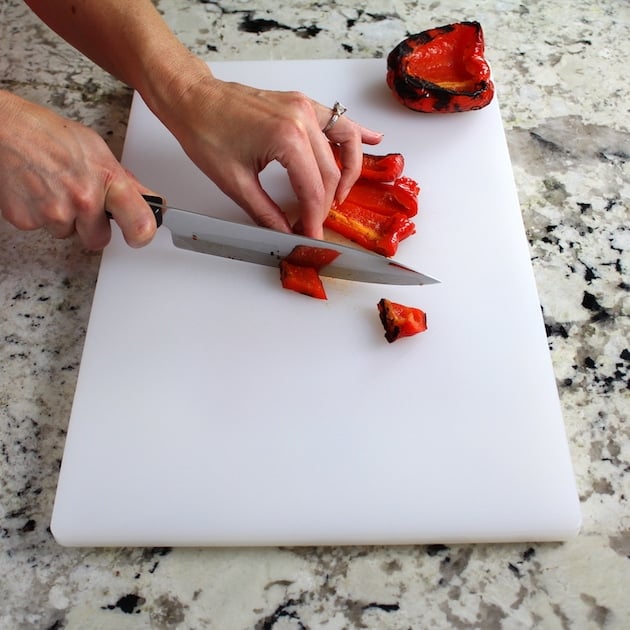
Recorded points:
(308, 256)
(377, 168)
(299, 271)
(376, 232)
(441, 70)
(401, 196)
(304, 280)
(382, 168)
(399, 320)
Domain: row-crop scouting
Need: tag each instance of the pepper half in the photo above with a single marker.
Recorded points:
(441, 70)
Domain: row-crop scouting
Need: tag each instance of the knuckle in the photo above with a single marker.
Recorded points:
(298, 111)
(352, 172)
(59, 221)
(20, 221)
(56, 215)
(331, 175)
(85, 203)
(293, 131)
(299, 100)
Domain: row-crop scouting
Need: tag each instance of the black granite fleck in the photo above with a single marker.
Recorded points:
(129, 604)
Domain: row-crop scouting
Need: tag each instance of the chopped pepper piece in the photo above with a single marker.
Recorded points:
(384, 198)
(308, 256)
(441, 70)
(399, 320)
(304, 280)
(299, 271)
(376, 232)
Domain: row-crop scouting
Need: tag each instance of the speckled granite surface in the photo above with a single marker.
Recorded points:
(561, 73)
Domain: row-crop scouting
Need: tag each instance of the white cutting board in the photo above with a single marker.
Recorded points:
(215, 408)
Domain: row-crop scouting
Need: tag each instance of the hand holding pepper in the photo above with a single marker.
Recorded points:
(282, 126)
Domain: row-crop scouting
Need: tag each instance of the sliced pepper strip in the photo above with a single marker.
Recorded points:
(399, 320)
(377, 168)
(376, 232)
(384, 198)
(304, 280)
(382, 168)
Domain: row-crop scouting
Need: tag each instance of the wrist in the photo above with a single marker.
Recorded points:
(167, 84)
(10, 106)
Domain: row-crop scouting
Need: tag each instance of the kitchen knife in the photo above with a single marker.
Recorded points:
(263, 246)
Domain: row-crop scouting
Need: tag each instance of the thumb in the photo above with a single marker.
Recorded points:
(131, 212)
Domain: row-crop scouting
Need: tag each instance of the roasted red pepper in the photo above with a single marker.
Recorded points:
(399, 320)
(304, 280)
(308, 256)
(377, 168)
(382, 168)
(441, 70)
(377, 232)
(299, 271)
(384, 198)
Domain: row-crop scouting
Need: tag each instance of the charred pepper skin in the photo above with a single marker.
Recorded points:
(400, 320)
(441, 70)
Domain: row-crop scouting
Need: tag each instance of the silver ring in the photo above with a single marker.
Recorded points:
(338, 110)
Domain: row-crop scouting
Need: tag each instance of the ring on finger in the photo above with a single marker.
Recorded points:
(338, 110)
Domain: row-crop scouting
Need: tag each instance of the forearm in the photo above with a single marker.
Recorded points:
(230, 131)
(131, 41)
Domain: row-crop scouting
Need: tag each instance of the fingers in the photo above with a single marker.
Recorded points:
(306, 154)
(86, 216)
(351, 157)
(58, 175)
(91, 225)
(232, 132)
(350, 137)
(314, 177)
(123, 200)
(244, 188)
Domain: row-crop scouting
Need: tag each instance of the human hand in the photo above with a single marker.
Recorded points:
(232, 131)
(59, 175)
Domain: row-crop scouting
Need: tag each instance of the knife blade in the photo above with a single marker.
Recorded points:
(263, 246)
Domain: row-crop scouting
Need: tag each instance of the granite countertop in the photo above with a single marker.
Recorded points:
(560, 70)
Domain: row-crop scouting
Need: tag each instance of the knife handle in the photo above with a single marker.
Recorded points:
(155, 203)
